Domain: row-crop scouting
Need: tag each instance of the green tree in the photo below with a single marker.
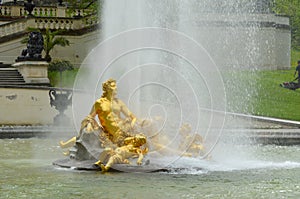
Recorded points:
(57, 68)
(60, 65)
(51, 40)
(93, 6)
(290, 8)
(83, 3)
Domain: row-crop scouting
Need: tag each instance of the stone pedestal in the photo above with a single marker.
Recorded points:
(33, 72)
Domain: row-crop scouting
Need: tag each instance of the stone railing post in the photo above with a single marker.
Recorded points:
(31, 22)
(77, 24)
(15, 11)
(61, 11)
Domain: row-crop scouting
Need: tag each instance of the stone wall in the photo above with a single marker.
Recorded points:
(255, 41)
(26, 106)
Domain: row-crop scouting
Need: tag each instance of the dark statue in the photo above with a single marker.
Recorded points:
(29, 6)
(60, 2)
(34, 49)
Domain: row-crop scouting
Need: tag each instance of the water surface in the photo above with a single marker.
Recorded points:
(269, 172)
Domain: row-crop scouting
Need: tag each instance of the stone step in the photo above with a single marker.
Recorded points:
(16, 82)
(8, 80)
(7, 69)
(10, 73)
(12, 83)
(10, 76)
(2, 65)
(12, 80)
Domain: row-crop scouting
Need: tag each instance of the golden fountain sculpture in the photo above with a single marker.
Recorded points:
(119, 136)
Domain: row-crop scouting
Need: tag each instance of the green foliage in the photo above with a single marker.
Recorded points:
(66, 80)
(290, 8)
(51, 40)
(93, 5)
(295, 56)
(259, 93)
(60, 65)
(275, 101)
(61, 73)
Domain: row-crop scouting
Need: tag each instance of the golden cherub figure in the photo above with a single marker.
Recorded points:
(191, 144)
(121, 155)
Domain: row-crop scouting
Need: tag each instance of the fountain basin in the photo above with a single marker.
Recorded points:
(31, 131)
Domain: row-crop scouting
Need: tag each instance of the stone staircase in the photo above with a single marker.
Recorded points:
(10, 76)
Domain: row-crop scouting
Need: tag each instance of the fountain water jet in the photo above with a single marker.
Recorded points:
(167, 54)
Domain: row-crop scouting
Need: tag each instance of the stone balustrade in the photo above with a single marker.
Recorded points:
(43, 11)
(13, 27)
(5, 10)
(47, 17)
(63, 23)
(52, 23)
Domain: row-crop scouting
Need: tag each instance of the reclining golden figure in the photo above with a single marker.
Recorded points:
(115, 118)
